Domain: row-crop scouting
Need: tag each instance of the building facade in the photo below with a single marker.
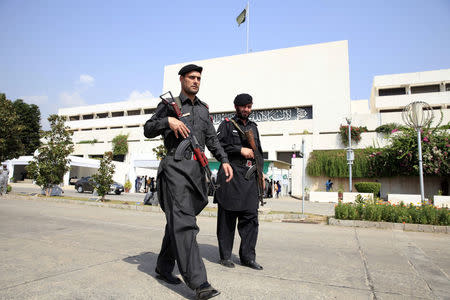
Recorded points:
(300, 93)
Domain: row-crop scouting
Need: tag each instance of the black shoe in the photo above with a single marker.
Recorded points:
(207, 292)
(252, 264)
(226, 263)
(167, 277)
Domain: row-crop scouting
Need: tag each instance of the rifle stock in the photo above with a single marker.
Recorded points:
(259, 163)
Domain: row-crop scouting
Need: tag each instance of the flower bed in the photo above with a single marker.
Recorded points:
(384, 211)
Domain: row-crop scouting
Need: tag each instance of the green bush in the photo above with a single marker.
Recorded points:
(120, 144)
(368, 187)
(8, 188)
(388, 128)
(333, 163)
(379, 211)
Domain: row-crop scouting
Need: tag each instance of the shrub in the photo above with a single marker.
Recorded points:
(333, 163)
(127, 185)
(355, 133)
(389, 128)
(8, 188)
(368, 187)
(120, 144)
(380, 211)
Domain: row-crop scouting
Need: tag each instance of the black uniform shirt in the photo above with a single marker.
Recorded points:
(231, 140)
(198, 121)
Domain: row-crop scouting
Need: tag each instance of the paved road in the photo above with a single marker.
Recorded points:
(55, 250)
(285, 204)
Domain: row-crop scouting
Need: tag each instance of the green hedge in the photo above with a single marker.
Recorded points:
(368, 187)
(380, 211)
(8, 188)
(333, 163)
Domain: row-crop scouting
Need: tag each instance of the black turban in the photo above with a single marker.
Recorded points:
(189, 68)
(243, 99)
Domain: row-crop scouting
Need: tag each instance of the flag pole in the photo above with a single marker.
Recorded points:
(248, 20)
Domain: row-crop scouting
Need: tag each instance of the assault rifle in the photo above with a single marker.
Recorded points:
(190, 141)
(256, 167)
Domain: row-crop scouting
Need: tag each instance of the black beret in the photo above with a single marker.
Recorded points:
(243, 99)
(189, 68)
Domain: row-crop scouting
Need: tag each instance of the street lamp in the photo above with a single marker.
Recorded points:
(350, 154)
(303, 176)
(418, 114)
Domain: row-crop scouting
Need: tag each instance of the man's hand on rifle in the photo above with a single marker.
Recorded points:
(247, 153)
(178, 127)
(228, 171)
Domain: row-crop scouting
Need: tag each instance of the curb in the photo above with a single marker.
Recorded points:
(262, 215)
(389, 225)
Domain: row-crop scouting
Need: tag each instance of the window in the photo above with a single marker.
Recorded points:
(102, 115)
(434, 88)
(88, 117)
(132, 126)
(266, 155)
(149, 111)
(116, 127)
(287, 156)
(74, 118)
(390, 110)
(134, 112)
(86, 129)
(447, 87)
(101, 128)
(392, 91)
(117, 114)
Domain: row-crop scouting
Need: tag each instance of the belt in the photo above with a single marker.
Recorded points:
(241, 161)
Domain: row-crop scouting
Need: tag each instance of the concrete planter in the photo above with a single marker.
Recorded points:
(441, 201)
(350, 197)
(323, 197)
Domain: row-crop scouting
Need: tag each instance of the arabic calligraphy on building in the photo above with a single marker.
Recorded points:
(271, 115)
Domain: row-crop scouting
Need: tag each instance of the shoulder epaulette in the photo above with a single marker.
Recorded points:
(203, 103)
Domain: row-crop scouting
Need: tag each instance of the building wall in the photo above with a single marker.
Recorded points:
(316, 75)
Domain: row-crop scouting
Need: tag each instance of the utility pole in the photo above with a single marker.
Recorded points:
(350, 153)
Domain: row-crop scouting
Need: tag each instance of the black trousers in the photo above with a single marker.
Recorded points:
(247, 228)
(180, 243)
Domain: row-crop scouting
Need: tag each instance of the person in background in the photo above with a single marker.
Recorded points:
(145, 184)
(137, 183)
(278, 188)
(328, 185)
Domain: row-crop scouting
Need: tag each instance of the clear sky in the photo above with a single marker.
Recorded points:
(66, 53)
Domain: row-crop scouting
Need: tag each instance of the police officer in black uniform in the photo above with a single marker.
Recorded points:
(238, 199)
(182, 190)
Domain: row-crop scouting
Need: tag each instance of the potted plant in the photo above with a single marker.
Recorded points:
(340, 191)
(127, 186)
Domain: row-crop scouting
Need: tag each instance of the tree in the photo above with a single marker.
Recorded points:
(51, 162)
(10, 130)
(160, 151)
(103, 177)
(30, 118)
(120, 146)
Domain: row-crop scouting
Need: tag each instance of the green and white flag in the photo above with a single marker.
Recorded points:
(241, 18)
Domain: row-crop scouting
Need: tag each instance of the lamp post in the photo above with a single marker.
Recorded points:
(350, 154)
(418, 114)
(303, 176)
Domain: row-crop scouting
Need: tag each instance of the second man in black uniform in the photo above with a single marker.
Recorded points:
(238, 198)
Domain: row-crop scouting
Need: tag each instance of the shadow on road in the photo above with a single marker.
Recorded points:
(146, 262)
(211, 253)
